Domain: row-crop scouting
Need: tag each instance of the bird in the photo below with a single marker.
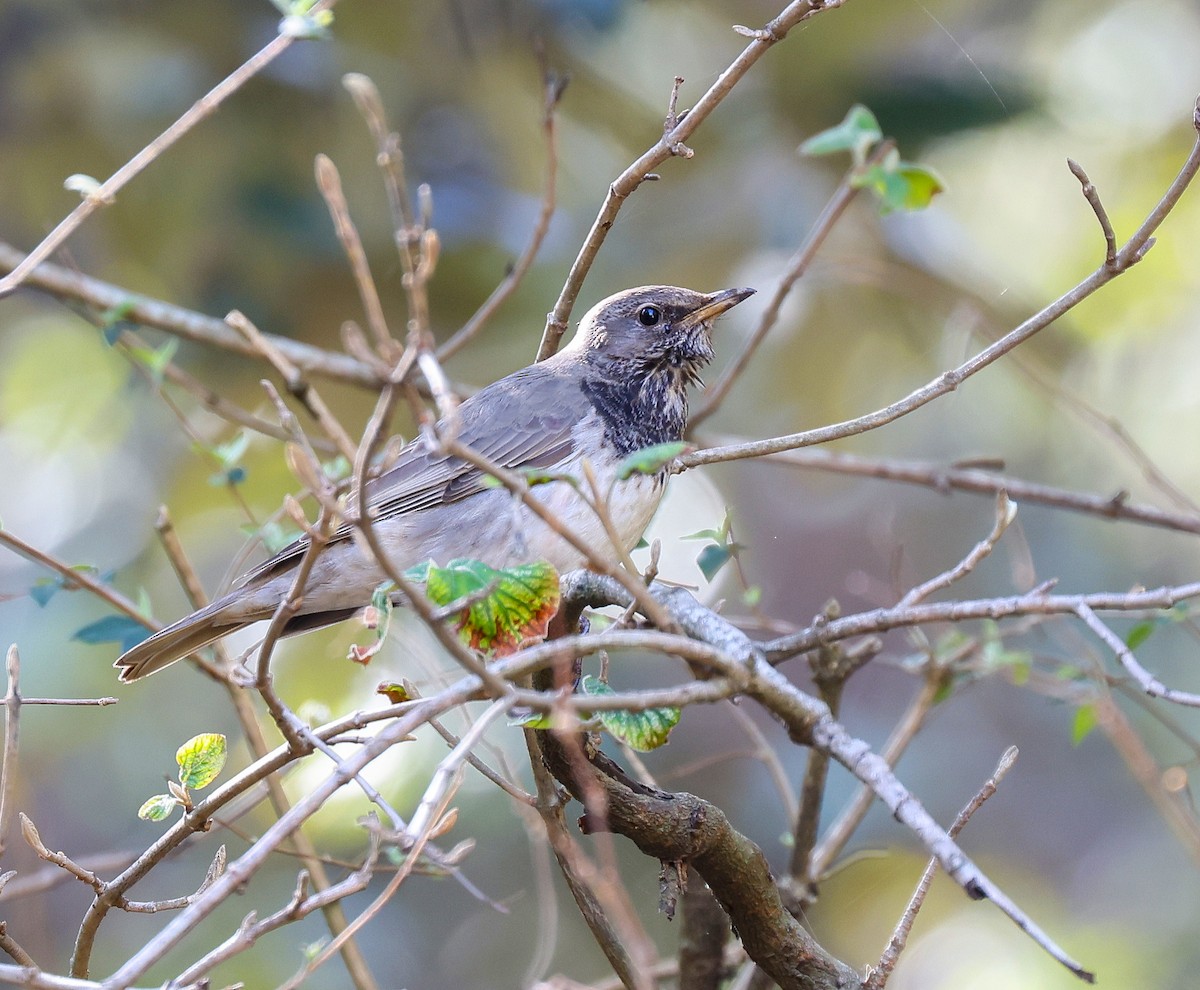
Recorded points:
(619, 386)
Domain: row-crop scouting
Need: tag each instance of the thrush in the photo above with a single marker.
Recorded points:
(621, 385)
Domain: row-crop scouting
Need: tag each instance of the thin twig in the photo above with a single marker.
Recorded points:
(301, 905)
(846, 824)
(947, 478)
(12, 723)
(1092, 195)
(671, 143)
(105, 192)
(76, 579)
(33, 978)
(553, 87)
(1129, 255)
(10, 946)
(330, 184)
(1006, 512)
(715, 393)
(506, 785)
(241, 870)
(1147, 681)
(1035, 602)
(296, 384)
(64, 283)
(878, 978)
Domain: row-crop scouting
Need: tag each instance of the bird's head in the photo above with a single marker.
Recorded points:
(654, 327)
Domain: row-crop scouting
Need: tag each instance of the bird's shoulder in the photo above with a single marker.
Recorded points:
(525, 419)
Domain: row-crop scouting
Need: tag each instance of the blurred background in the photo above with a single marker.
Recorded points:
(993, 95)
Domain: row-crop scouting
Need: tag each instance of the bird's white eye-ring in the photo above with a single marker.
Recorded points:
(648, 316)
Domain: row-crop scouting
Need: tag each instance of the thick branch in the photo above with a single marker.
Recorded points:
(682, 827)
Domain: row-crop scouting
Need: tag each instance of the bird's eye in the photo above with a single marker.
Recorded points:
(648, 316)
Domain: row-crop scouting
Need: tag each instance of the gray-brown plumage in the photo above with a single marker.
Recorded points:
(619, 386)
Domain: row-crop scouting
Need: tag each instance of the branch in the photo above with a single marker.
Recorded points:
(63, 283)
(715, 394)
(335, 918)
(242, 869)
(300, 906)
(945, 479)
(887, 961)
(553, 87)
(681, 827)
(12, 722)
(293, 378)
(1147, 681)
(810, 723)
(34, 979)
(671, 143)
(1035, 602)
(105, 193)
(1129, 255)
(1006, 512)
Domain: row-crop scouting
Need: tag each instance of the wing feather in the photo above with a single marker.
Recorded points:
(526, 419)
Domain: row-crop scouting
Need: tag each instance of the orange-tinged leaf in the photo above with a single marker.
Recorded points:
(506, 609)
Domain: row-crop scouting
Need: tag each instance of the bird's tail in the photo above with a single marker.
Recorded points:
(179, 639)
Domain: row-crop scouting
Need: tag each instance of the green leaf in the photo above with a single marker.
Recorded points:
(44, 589)
(996, 655)
(712, 558)
(650, 460)
(900, 185)
(643, 731)
(232, 451)
(228, 455)
(418, 572)
(157, 808)
(155, 360)
(1139, 634)
(921, 185)
(1085, 720)
(381, 597)
(532, 720)
(113, 629)
(304, 26)
(855, 134)
(378, 618)
(200, 759)
(752, 596)
(945, 691)
(513, 605)
(337, 469)
(115, 320)
(395, 692)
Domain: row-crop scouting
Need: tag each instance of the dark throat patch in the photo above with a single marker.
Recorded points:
(640, 406)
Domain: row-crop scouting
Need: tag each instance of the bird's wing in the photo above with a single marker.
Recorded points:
(525, 420)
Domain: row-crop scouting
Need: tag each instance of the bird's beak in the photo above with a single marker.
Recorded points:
(713, 306)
